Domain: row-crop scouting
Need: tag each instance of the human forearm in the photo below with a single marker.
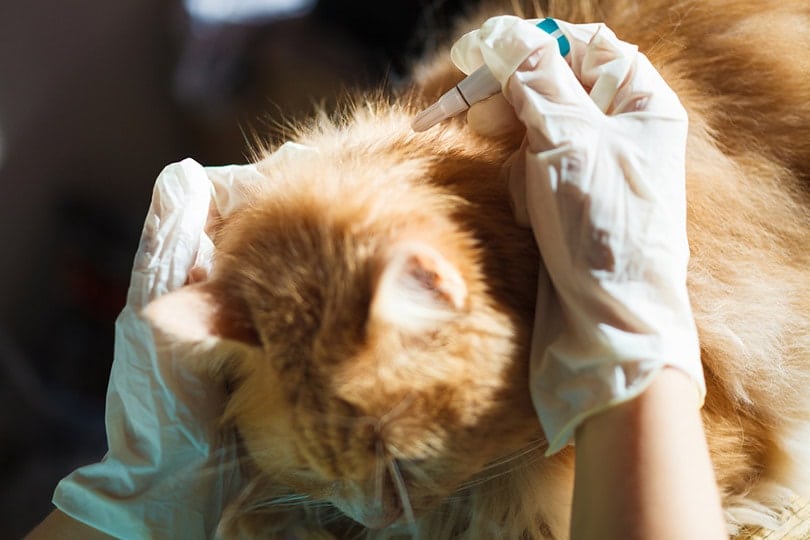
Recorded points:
(643, 469)
(62, 526)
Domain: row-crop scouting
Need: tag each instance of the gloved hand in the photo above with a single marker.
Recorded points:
(601, 180)
(170, 469)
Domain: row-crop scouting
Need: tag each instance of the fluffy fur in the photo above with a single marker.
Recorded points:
(371, 307)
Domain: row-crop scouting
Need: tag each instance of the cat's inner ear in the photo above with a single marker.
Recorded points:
(202, 314)
(417, 288)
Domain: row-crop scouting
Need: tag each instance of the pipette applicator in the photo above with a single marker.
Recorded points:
(477, 86)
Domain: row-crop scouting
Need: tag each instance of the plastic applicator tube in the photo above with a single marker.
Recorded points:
(477, 86)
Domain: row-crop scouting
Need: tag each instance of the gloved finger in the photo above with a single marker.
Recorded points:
(493, 117)
(600, 61)
(231, 185)
(579, 36)
(554, 108)
(536, 78)
(619, 78)
(465, 53)
(171, 235)
(234, 185)
(647, 91)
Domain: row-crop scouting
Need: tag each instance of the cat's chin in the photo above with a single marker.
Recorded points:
(382, 521)
(377, 518)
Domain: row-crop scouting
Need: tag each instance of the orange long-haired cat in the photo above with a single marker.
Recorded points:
(370, 309)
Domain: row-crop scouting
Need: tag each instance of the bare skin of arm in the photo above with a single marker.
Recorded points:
(62, 526)
(643, 469)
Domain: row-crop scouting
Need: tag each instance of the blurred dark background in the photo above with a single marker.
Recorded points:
(96, 97)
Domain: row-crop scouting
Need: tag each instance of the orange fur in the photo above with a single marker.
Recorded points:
(331, 385)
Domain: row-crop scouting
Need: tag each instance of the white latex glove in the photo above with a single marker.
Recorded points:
(601, 180)
(170, 469)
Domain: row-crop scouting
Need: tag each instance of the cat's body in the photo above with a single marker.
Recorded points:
(376, 298)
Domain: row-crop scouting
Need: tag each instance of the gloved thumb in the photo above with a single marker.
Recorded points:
(494, 117)
(172, 232)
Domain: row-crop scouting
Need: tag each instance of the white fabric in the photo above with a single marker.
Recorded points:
(601, 180)
(169, 471)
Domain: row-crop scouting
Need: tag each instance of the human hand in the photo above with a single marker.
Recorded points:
(170, 469)
(601, 179)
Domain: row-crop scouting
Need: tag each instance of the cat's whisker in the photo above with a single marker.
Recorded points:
(478, 480)
(379, 474)
(532, 449)
(291, 502)
(273, 505)
(402, 492)
(502, 467)
(481, 478)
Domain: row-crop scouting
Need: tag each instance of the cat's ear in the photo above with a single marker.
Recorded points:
(417, 288)
(202, 317)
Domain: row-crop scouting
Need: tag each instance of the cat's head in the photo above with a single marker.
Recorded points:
(353, 311)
